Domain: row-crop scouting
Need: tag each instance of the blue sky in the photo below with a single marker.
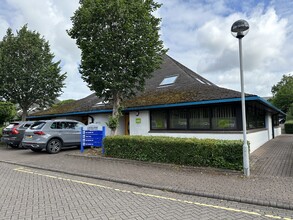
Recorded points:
(197, 33)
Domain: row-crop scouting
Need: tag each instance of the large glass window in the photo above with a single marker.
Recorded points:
(224, 118)
(178, 119)
(158, 120)
(199, 118)
(255, 117)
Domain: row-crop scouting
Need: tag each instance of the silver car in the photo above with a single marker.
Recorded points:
(52, 135)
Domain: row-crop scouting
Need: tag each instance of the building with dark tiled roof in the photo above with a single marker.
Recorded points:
(178, 102)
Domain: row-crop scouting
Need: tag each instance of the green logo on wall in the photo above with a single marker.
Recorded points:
(138, 120)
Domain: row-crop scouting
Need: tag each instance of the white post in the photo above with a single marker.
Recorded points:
(245, 146)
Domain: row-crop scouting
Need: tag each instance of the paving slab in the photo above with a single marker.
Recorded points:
(270, 183)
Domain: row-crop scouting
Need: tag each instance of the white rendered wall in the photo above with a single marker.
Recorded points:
(222, 136)
(142, 127)
(139, 123)
(278, 131)
(101, 119)
(269, 123)
(257, 139)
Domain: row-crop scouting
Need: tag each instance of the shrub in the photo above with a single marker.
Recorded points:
(182, 151)
(289, 127)
(1, 128)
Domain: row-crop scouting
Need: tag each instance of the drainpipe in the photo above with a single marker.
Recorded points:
(273, 130)
(91, 117)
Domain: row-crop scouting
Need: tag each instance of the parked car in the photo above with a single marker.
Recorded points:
(13, 134)
(282, 120)
(52, 135)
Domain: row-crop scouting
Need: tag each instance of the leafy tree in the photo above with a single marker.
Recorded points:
(120, 47)
(29, 74)
(7, 112)
(283, 93)
(290, 113)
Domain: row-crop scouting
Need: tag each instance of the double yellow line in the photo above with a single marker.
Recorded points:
(28, 171)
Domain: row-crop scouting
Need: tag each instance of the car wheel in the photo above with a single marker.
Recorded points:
(54, 146)
(36, 150)
(20, 145)
(13, 146)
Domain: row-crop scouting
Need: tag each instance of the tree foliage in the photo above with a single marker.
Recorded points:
(283, 93)
(290, 113)
(27, 70)
(7, 112)
(120, 46)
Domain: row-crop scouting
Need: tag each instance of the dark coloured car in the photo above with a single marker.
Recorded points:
(52, 135)
(282, 120)
(13, 134)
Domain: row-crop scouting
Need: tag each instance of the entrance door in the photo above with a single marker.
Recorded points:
(126, 118)
(84, 119)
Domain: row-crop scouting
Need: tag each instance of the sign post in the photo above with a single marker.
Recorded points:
(92, 137)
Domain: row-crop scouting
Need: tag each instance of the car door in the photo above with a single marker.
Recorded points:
(77, 132)
(71, 133)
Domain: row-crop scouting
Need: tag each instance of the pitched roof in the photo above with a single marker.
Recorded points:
(188, 87)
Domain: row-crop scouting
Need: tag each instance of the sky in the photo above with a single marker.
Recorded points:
(196, 32)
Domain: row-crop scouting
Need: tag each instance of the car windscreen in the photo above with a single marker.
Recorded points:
(37, 125)
(26, 125)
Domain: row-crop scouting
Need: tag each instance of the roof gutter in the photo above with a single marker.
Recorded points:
(182, 104)
(206, 102)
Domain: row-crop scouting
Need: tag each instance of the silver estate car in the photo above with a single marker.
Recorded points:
(52, 135)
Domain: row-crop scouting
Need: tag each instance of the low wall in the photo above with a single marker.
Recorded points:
(256, 138)
(277, 131)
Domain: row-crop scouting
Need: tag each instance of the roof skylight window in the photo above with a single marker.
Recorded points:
(168, 80)
(202, 82)
(102, 103)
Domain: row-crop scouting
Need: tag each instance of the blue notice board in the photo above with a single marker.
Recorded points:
(92, 138)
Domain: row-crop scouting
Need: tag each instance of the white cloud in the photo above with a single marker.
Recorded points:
(207, 46)
(197, 34)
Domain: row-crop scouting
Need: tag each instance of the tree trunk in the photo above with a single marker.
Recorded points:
(24, 114)
(116, 111)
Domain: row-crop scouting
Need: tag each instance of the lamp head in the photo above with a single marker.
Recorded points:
(240, 28)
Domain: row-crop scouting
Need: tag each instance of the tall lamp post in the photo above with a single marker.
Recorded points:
(239, 29)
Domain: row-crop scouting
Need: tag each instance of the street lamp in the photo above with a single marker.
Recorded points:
(239, 29)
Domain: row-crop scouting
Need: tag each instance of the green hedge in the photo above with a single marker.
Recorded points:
(289, 127)
(183, 151)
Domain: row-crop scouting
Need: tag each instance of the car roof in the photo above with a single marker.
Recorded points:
(58, 120)
(20, 122)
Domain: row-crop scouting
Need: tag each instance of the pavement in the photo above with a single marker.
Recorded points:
(270, 182)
